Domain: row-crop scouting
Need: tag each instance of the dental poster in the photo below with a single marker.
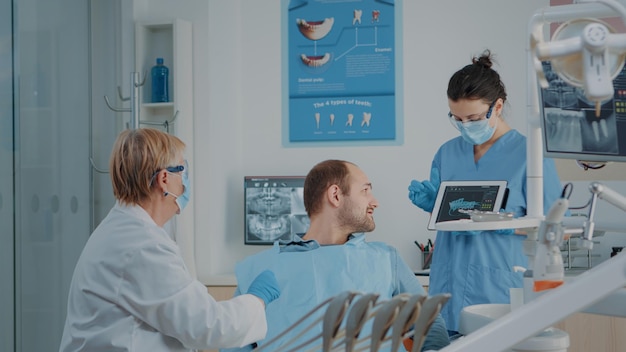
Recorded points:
(341, 57)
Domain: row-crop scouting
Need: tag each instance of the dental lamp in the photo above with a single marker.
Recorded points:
(584, 52)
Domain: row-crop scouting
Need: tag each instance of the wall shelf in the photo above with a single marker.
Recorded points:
(172, 41)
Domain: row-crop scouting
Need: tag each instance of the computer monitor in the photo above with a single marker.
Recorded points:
(570, 127)
(274, 208)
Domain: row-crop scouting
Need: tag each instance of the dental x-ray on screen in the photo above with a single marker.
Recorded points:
(571, 129)
(274, 208)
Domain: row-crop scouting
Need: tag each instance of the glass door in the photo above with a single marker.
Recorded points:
(7, 269)
(54, 130)
(52, 189)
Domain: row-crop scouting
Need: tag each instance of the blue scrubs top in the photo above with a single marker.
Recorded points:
(308, 274)
(477, 267)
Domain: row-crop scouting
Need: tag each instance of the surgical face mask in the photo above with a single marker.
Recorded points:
(476, 132)
(183, 199)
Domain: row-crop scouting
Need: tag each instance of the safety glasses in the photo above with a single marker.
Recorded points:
(173, 169)
(178, 168)
(486, 114)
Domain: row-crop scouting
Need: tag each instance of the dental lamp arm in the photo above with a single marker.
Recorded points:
(612, 4)
(608, 195)
(599, 191)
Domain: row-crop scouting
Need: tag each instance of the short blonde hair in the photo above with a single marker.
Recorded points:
(136, 157)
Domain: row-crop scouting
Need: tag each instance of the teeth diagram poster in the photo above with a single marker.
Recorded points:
(341, 57)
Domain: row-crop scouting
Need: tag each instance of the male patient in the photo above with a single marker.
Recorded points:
(333, 256)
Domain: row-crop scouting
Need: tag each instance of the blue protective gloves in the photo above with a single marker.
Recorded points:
(423, 194)
(265, 287)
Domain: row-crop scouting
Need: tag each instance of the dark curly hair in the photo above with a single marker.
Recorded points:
(477, 81)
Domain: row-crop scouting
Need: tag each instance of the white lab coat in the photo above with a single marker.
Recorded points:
(131, 291)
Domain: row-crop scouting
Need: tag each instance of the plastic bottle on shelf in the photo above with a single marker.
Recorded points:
(160, 74)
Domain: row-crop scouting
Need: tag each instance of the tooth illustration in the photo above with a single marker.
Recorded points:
(375, 15)
(604, 128)
(317, 119)
(315, 30)
(350, 118)
(315, 61)
(332, 119)
(596, 133)
(367, 116)
(357, 16)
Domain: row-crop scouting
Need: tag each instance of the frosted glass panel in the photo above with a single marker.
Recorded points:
(7, 327)
(52, 158)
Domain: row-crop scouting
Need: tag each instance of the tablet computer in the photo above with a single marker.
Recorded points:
(468, 195)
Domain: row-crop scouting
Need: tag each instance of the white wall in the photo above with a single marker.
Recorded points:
(437, 42)
(237, 105)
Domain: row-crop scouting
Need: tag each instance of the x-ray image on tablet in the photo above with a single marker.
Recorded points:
(467, 195)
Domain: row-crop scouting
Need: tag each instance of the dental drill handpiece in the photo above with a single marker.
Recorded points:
(548, 271)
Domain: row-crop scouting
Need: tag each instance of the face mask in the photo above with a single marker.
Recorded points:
(183, 199)
(476, 132)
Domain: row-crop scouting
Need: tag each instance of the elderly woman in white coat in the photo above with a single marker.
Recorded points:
(131, 290)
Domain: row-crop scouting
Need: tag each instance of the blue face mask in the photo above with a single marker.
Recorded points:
(183, 199)
(476, 132)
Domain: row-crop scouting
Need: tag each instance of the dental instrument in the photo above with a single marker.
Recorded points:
(428, 313)
(422, 321)
(297, 323)
(391, 322)
(406, 318)
(357, 317)
(334, 316)
(384, 320)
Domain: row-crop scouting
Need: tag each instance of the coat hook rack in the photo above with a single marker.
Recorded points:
(134, 100)
(99, 170)
(134, 108)
(119, 88)
(165, 124)
(135, 121)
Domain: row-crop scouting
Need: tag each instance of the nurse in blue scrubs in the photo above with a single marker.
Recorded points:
(477, 266)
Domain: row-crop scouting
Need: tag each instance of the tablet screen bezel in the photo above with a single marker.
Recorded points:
(434, 216)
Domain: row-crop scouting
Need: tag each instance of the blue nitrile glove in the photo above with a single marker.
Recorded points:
(265, 287)
(423, 194)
